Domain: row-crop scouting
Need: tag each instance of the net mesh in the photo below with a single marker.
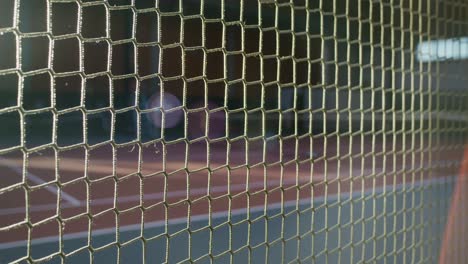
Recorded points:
(231, 131)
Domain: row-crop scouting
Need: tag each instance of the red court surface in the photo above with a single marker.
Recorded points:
(108, 187)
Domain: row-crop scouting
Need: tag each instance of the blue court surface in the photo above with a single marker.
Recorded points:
(383, 224)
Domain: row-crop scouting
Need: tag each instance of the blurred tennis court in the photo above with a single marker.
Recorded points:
(283, 211)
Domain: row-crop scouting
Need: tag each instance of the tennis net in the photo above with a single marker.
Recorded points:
(233, 131)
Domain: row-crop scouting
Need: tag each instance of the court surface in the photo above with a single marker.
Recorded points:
(335, 204)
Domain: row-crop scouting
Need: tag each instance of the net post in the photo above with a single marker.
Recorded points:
(455, 225)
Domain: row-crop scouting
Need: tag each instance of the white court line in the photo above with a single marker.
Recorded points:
(151, 196)
(36, 179)
(170, 194)
(236, 212)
